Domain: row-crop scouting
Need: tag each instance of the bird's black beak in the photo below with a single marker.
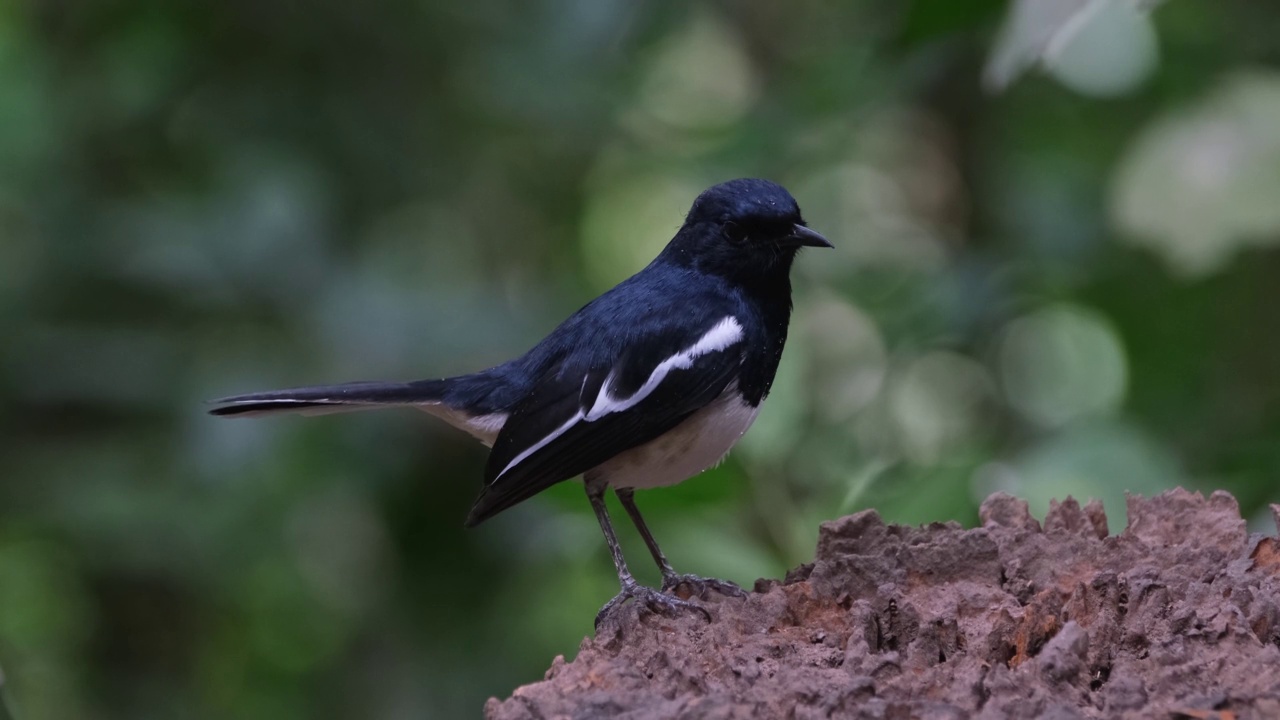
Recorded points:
(805, 237)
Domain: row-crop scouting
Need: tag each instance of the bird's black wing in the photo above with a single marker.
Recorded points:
(578, 417)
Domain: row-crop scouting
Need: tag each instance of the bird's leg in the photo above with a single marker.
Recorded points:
(649, 598)
(628, 498)
(670, 579)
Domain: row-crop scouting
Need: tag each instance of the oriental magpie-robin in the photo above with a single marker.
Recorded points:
(647, 385)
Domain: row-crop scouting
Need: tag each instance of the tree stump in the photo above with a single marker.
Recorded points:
(1176, 617)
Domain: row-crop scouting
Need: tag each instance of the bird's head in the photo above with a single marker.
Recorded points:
(745, 230)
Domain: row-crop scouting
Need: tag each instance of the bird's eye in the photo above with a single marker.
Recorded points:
(734, 233)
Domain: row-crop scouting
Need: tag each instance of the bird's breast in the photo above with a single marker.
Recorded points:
(698, 443)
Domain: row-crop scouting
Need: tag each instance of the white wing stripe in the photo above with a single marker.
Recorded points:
(723, 335)
(726, 333)
(541, 443)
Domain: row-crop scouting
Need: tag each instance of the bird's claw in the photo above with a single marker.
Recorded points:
(698, 586)
(651, 600)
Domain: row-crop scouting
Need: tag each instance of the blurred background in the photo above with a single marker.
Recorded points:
(1056, 274)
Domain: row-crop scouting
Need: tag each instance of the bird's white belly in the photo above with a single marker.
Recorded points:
(698, 443)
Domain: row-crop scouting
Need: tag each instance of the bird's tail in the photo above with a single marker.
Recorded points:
(323, 399)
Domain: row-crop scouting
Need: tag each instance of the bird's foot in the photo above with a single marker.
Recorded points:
(648, 599)
(698, 586)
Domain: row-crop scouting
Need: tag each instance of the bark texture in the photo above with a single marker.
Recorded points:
(1176, 617)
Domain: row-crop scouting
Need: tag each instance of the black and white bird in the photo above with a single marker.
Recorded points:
(647, 385)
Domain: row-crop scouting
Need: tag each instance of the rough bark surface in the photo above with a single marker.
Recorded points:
(1176, 617)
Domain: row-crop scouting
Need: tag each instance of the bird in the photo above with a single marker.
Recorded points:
(648, 385)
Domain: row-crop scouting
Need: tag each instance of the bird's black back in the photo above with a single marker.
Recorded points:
(700, 279)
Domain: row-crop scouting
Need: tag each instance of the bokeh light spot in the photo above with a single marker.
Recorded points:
(627, 223)
(1060, 363)
(936, 401)
(1201, 184)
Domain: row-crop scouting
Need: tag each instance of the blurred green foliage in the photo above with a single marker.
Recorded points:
(1055, 274)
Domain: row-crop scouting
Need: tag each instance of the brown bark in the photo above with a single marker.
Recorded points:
(1176, 617)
